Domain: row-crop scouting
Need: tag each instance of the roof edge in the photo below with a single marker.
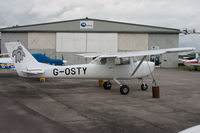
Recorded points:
(118, 22)
(74, 31)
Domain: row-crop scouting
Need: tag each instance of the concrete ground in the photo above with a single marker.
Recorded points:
(79, 106)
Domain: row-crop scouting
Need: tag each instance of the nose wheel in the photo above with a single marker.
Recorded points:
(144, 87)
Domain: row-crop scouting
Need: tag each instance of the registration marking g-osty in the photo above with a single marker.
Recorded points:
(70, 71)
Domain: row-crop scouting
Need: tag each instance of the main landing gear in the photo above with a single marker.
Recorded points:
(124, 89)
(107, 85)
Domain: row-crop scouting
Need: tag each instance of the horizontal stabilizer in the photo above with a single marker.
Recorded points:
(33, 71)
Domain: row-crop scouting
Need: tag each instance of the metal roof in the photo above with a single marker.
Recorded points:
(98, 26)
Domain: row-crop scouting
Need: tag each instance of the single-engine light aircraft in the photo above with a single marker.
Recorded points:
(193, 63)
(106, 66)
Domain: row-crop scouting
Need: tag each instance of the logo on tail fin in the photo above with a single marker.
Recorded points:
(18, 54)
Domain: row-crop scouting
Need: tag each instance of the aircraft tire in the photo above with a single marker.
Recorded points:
(107, 85)
(124, 89)
(144, 87)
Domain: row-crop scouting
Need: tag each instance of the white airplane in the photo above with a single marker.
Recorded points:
(194, 129)
(110, 66)
(193, 63)
(188, 59)
(6, 63)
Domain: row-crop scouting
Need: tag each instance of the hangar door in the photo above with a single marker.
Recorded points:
(132, 42)
(86, 42)
(70, 42)
(102, 42)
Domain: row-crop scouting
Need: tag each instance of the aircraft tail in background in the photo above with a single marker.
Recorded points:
(23, 60)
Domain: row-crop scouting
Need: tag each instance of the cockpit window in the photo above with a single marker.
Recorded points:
(122, 61)
(103, 61)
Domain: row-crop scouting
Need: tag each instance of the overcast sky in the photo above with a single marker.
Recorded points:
(178, 14)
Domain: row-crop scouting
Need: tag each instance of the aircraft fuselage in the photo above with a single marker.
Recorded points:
(96, 71)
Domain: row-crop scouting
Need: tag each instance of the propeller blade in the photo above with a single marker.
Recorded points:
(64, 61)
(62, 57)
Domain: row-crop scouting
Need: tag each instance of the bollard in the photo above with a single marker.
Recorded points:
(42, 80)
(155, 92)
(101, 83)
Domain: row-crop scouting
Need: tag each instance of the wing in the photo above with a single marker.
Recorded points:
(137, 53)
(144, 54)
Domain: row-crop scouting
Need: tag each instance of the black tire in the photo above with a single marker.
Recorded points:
(144, 87)
(107, 85)
(124, 89)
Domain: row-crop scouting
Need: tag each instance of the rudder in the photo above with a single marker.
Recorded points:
(21, 57)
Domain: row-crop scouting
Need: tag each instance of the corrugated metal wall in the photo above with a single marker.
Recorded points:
(166, 41)
(41, 40)
(13, 37)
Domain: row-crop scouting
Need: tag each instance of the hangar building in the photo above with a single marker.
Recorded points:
(70, 37)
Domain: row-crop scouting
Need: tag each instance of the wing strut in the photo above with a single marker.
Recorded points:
(138, 65)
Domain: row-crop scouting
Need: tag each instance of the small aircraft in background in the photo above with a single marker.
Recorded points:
(106, 66)
(191, 60)
(42, 58)
(193, 63)
(7, 63)
(182, 60)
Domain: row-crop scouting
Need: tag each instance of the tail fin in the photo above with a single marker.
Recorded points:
(21, 58)
(196, 55)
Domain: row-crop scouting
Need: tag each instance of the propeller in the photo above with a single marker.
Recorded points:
(62, 57)
(64, 61)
